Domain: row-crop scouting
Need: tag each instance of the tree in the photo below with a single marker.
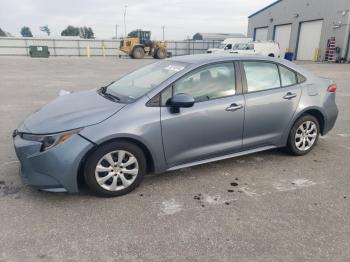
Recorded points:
(83, 32)
(86, 32)
(26, 32)
(45, 29)
(2, 33)
(70, 31)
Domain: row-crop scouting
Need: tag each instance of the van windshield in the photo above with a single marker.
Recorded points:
(243, 47)
(136, 84)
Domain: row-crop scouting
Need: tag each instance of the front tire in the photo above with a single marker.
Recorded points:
(138, 52)
(115, 169)
(304, 135)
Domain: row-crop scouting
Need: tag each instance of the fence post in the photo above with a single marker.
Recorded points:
(78, 43)
(54, 46)
(103, 48)
(26, 46)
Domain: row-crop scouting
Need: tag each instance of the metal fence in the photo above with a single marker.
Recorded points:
(19, 46)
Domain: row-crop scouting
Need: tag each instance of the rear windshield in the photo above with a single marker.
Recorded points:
(140, 82)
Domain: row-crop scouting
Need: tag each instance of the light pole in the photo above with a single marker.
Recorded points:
(163, 32)
(116, 32)
(125, 7)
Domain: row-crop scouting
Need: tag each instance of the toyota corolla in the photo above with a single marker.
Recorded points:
(172, 114)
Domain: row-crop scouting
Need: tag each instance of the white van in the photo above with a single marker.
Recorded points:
(228, 43)
(267, 48)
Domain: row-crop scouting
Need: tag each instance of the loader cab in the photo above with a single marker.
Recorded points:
(144, 36)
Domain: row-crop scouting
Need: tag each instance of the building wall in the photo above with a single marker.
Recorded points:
(297, 11)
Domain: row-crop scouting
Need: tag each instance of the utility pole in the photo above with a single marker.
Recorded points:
(163, 31)
(125, 7)
(116, 32)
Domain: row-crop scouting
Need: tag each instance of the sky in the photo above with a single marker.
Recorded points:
(181, 18)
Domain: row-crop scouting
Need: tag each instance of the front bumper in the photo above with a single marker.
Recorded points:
(55, 169)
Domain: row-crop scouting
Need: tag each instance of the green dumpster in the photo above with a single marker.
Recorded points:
(39, 51)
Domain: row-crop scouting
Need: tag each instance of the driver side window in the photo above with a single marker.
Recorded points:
(229, 46)
(209, 82)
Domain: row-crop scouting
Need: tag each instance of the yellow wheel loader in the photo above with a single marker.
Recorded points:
(139, 43)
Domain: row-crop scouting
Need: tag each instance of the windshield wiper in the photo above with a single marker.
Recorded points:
(103, 91)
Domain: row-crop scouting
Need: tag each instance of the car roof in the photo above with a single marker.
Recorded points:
(208, 58)
(202, 59)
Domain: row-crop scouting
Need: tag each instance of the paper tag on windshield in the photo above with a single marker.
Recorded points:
(174, 68)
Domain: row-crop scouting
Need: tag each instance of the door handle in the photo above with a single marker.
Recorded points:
(290, 95)
(234, 107)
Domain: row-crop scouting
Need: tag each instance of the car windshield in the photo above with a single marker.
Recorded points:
(136, 84)
(243, 47)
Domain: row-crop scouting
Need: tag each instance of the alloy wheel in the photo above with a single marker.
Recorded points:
(306, 135)
(116, 170)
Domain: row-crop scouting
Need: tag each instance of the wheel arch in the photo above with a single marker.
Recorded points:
(318, 114)
(314, 111)
(140, 144)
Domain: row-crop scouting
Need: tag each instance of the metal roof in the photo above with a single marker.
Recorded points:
(266, 7)
(219, 36)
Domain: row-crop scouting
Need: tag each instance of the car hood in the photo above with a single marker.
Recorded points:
(70, 111)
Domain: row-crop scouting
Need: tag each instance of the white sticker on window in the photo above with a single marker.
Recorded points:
(174, 68)
(39, 48)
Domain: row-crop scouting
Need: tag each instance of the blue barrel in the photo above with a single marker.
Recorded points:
(289, 56)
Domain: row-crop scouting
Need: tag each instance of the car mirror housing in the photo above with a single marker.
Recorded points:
(181, 100)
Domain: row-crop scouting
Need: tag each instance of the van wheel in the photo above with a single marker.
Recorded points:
(304, 135)
(115, 169)
(271, 55)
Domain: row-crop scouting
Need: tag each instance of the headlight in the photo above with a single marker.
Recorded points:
(49, 141)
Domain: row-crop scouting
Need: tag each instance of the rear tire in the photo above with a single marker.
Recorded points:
(115, 169)
(155, 54)
(304, 135)
(138, 52)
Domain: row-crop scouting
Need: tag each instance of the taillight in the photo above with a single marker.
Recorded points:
(332, 88)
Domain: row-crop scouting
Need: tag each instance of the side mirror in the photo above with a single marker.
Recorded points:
(180, 100)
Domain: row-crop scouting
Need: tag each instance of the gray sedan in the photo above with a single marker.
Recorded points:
(172, 114)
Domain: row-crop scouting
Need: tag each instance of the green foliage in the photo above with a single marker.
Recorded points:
(45, 29)
(2, 33)
(26, 32)
(83, 32)
(86, 32)
(70, 31)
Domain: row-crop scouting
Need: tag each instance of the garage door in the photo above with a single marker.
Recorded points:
(282, 37)
(309, 39)
(261, 34)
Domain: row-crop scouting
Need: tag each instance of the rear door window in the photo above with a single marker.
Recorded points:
(261, 75)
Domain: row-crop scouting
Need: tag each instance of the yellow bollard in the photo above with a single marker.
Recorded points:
(88, 51)
(315, 55)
